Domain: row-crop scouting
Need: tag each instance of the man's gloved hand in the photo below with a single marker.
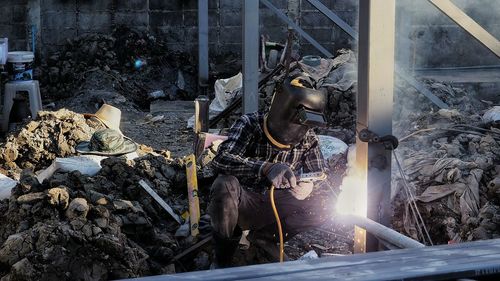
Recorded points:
(302, 190)
(280, 175)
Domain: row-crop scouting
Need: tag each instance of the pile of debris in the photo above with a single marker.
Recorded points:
(36, 145)
(75, 226)
(450, 159)
(133, 63)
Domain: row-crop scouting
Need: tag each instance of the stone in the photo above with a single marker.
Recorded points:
(58, 197)
(78, 208)
(31, 198)
(16, 247)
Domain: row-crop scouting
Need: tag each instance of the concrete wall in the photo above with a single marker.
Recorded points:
(425, 37)
(13, 23)
(430, 39)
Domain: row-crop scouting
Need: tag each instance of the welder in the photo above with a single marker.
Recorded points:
(267, 149)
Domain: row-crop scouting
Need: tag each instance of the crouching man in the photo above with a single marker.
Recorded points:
(264, 149)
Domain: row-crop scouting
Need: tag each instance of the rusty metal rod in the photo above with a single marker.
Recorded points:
(383, 232)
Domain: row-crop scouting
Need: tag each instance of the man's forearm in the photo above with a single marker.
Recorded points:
(237, 165)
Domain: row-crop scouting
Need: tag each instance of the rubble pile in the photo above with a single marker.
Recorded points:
(38, 143)
(133, 63)
(450, 158)
(76, 227)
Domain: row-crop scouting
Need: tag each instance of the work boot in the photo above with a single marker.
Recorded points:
(224, 249)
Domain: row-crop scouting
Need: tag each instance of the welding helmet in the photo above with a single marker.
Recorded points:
(296, 108)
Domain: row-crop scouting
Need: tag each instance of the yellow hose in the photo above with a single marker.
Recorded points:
(280, 231)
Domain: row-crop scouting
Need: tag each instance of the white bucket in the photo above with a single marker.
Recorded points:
(20, 65)
(4, 49)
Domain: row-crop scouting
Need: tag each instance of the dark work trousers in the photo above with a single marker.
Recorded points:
(233, 206)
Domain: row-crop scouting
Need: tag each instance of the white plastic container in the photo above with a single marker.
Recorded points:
(20, 65)
(4, 49)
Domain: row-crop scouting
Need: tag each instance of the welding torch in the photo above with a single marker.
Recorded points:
(305, 177)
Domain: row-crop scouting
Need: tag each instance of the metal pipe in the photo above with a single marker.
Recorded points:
(383, 232)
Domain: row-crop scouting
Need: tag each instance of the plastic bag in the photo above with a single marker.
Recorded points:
(6, 185)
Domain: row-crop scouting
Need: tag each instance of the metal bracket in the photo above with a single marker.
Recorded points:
(390, 142)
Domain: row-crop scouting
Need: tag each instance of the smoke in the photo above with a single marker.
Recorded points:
(427, 38)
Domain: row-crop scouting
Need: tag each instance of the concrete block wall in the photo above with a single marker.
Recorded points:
(14, 23)
(425, 37)
(431, 39)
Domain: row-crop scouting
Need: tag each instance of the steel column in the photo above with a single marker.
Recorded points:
(375, 100)
(250, 55)
(203, 44)
(468, 24)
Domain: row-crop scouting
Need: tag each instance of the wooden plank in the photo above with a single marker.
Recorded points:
(160, 201)
(464, 260)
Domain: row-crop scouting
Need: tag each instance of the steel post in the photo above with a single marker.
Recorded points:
(203, 43)
(375, 100)
(250, 55)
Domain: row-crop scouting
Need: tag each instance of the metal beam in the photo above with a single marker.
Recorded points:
(333, 17)
(351, 32)
(304, 34)
(421, 88)
(468, 24)
(250, 55)
(477, 260)
(375, 100)
(203, 43)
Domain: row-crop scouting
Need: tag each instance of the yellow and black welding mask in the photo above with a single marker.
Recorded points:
(296, 108)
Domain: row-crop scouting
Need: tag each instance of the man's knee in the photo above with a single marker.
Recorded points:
(225, 185)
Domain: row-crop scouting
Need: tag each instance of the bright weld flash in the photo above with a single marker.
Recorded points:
(352, 199)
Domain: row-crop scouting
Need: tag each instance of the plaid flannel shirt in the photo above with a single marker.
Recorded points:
(247, 149)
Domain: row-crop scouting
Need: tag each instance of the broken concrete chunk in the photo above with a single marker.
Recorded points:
(58, 197)
(15, 248)
(78, 208)
(23, 270)
(31, 198)
(121, 205)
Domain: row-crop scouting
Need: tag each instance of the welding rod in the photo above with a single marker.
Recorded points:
(383, 232)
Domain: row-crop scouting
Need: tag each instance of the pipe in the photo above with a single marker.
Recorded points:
(383, 232)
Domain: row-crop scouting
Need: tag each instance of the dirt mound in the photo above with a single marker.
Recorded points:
(130, 62)
(36, 145)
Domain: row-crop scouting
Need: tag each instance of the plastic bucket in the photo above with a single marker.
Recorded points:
(20, 66)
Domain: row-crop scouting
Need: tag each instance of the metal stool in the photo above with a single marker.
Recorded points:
(11, 89)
